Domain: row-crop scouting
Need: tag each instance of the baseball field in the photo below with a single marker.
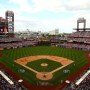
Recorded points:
(51, 65)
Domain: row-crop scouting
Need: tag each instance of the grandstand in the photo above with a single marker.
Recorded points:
(9, 83)
(8, 43)
(82, 82)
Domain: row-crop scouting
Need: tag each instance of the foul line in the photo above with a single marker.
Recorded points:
(83, 77)
(6, 78)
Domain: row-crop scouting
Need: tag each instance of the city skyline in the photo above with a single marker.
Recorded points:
(47, 15)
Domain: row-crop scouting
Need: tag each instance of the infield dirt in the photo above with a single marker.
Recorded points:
(44, 75)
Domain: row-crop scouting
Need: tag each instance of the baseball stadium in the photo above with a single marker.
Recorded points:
(53, 63)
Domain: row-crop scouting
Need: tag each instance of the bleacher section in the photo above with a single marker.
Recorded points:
(82, 82)
(78, 40)
(6, 78)
(84, 34)
(8, 43)
(9, 83)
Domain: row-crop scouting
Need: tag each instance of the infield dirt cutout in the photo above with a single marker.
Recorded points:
(44, 75)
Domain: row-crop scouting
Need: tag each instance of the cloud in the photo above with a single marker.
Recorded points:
(78, 5)
(49, 5)
(2, 13)
(23, 5)
(34, 6)
(60, 5)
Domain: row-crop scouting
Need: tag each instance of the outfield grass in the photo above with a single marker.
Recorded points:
(51, 65)
(10, 55)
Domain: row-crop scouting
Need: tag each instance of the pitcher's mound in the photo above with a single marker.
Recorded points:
(44, 75)
(44, 64)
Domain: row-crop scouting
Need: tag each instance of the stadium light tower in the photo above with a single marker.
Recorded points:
(10, 22)
(81, 20)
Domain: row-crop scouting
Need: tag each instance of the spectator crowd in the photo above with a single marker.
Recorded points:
(84, 85)
(4, 85)
(77, 40)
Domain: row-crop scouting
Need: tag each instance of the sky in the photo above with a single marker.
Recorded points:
(47, 15)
